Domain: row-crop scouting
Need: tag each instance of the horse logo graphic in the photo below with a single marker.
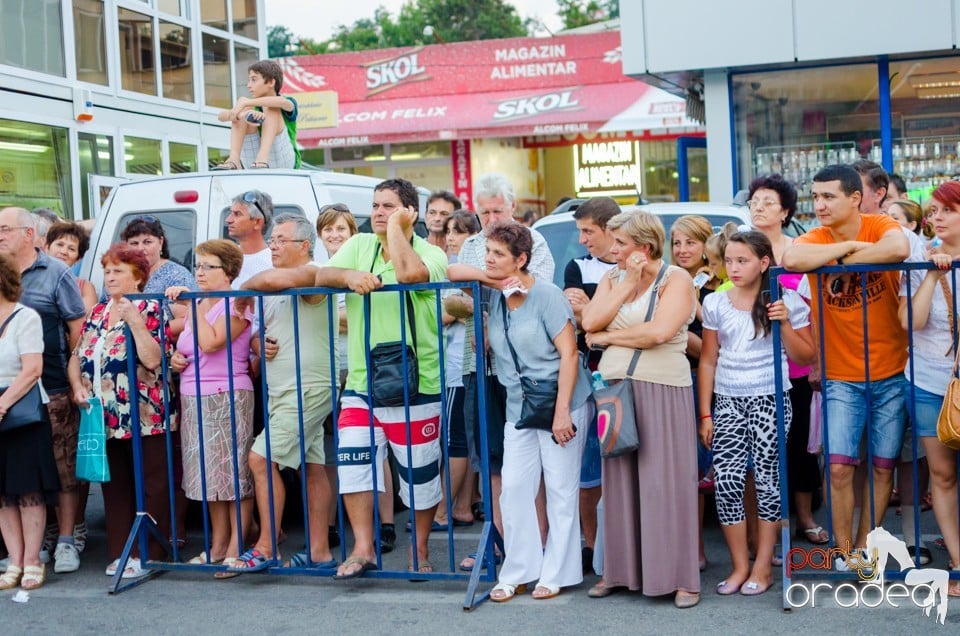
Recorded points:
(884, 545)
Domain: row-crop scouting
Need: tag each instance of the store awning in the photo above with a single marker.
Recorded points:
(565, 85)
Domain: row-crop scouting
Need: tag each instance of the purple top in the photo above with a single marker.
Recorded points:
(790, 281)
(214, 376)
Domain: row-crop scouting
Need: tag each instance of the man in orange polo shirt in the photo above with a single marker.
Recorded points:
(850, 382)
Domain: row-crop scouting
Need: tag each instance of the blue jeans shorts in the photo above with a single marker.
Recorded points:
(927, 410)
(847, 416)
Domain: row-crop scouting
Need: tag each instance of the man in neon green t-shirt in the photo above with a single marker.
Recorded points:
(393, 254)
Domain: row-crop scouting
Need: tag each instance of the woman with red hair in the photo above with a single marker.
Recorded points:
(98, 368)
(932, 344)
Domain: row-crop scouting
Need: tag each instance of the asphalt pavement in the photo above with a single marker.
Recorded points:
(195, 603)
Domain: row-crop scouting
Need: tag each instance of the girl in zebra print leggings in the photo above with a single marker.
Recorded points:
(736, 367)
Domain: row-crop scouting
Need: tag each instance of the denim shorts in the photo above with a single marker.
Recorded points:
(927, 410)
(590, 466)
(847, 416)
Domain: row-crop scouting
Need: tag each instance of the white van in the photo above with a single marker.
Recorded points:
(193, 207)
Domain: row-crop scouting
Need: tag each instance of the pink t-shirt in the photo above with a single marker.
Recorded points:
(791, 281)
(214, 372)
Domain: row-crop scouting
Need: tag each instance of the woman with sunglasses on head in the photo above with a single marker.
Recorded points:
(532, 335)
(773, 201)
(218, 264)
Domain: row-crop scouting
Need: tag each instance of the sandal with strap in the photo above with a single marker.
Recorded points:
(259, 164)
(229, 164)
(507, 592)
(544, 591)
(33, 577)
(11, 577)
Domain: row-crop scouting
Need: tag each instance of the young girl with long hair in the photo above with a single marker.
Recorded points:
(735, 365)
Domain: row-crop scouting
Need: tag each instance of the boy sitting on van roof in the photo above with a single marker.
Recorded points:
(263, 127)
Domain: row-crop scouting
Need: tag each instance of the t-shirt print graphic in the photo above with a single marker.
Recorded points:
(844, 292)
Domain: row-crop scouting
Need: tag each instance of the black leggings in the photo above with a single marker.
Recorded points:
(803, 469)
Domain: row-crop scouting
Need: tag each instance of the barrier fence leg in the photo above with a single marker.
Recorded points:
(484, 552)
(143, 527)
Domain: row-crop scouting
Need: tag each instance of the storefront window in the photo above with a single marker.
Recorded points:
(142, 156)
(173, 7)
(137, 69)
(213, 13)
(245, 18)
(796, 122)
(427, 150)
(659, 161)
(314, 156)
(433, 177)
(216, 71)
(176, 63)
(90, 41)
(31, 35)
(359, 153)
(35, 167)
(183, 158)
(96, 157)
(216, 156)
(926, 124)
(244, 56)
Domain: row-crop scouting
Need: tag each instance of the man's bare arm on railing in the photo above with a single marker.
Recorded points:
(283, 278)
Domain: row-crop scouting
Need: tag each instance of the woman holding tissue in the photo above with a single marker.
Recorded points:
(531, 331)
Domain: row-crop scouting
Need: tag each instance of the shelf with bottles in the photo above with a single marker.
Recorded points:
(924, 162)
(799, 162)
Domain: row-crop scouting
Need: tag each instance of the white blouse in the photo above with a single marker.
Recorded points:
(24, 334)
(745, 364)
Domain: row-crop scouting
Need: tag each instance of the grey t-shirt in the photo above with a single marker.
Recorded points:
(533, 326)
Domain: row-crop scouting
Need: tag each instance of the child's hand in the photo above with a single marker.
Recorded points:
(777, 312)
(706, 432)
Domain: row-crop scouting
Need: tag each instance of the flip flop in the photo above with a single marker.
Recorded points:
(252, 561)
(300, 560)
(203, 559)
(229, 164)
(425, 568)
(460, 523)
(228, 573)
(436, 527)
(364, 564)
(816, 536)
(473, 555)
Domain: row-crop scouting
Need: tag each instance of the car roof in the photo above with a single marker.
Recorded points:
(662, 209)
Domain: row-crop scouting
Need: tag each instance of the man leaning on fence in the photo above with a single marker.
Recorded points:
(847, 237)
(291, 244)
(393, 254)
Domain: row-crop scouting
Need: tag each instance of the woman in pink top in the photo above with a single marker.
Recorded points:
(224, 387)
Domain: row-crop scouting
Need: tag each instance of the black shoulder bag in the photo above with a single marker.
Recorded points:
(539, 396)
(30, 408)
(387, 370)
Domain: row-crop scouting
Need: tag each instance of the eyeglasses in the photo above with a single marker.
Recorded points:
(6, 229)
(206, 267)
(251, 197)
(283, 241)
(766, 203)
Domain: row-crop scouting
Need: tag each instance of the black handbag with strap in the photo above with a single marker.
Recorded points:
(387, 369)
(30, 408)
(539, 396)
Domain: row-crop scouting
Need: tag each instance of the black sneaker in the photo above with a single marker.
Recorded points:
(388, 538)
(333, 537)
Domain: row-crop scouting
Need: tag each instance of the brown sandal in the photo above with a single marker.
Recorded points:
(229, 164)
(259, 164)
(11, 577)
(33, 577)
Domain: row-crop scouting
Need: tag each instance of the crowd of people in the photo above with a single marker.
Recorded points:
(248, 396)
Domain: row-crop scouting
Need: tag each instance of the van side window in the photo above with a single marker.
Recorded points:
(277, 210)
(179, 228)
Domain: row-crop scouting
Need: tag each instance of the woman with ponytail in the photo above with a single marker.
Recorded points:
(734, 372)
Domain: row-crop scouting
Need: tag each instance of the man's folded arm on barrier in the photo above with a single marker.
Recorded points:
(359, 282)
(459, 305)
(284, 278)
(893, 247)
(803, 257)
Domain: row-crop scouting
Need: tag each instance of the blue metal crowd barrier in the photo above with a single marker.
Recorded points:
(145, 526)
(811, 568)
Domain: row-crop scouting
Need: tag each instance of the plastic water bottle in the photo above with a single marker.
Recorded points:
(597, 381)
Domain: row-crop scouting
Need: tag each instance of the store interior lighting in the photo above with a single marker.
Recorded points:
(18, 147)
(935, 80)
(940, 92)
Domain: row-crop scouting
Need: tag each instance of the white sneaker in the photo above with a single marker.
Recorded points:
(66, 559)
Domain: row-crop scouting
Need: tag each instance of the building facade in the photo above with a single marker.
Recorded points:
(116, 87)
(555, 114)
(792, 86)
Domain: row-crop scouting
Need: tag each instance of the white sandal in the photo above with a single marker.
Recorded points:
(552, 590)
(509, 591)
